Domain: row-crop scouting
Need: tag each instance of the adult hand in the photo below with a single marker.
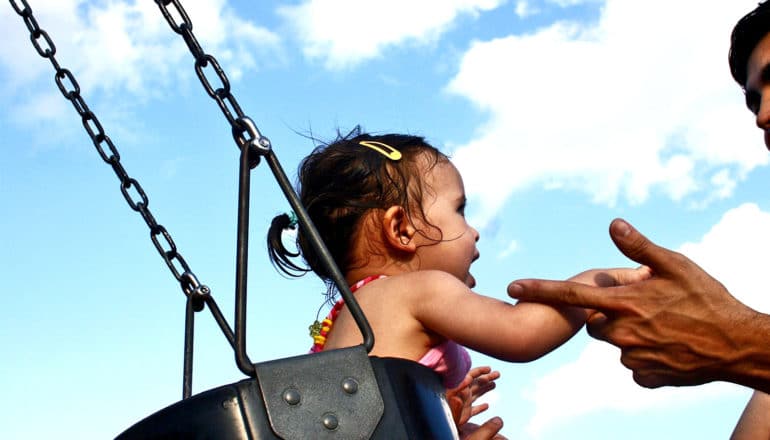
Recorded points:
(678, 326)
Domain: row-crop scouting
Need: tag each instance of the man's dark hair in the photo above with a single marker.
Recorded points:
(748, 32)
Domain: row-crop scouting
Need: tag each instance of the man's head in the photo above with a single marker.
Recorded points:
(750, 63)
(748, 32)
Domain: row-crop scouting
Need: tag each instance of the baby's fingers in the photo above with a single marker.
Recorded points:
(478, 409)
(479, 371)
(484, 383)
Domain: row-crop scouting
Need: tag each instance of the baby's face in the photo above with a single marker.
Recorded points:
(444, 207)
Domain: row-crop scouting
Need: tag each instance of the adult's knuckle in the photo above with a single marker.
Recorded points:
(648, 380)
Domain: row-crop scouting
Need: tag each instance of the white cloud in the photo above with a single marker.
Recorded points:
(734, 252)
(17, 55)
(345, 33)
(560, 395)
(617, 109)
(525, 9)
(128, 46)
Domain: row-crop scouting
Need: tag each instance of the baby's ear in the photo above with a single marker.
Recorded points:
(398, 230)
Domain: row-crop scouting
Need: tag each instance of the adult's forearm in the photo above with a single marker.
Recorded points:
(751, 363)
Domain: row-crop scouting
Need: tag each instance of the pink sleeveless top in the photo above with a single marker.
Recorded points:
(449, 359)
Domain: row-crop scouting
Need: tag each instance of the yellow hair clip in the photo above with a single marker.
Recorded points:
(385, 149)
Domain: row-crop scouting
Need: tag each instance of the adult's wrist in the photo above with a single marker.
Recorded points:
(750, 364)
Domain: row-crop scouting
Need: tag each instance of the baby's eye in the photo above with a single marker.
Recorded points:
(461, 210)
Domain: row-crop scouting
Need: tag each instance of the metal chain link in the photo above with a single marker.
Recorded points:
(245, 132)
(70, 89)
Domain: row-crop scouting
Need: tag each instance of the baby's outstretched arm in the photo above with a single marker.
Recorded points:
(574, 317)
(519, 332)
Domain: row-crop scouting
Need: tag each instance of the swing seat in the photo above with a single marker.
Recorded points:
(335, 394)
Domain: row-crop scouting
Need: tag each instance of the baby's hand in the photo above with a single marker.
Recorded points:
(612, 277)
(477, 382)
(488, 431)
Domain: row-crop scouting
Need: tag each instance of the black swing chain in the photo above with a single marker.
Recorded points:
(70, 89)
(253, 145)
(245, 132)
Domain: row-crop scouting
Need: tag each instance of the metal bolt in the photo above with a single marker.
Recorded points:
(292, 396)
(350, 385)
(330, 421)
(230, 403)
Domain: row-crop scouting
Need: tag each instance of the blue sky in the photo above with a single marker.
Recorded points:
(561, 115)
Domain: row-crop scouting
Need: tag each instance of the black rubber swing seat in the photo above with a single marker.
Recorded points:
(336, 394)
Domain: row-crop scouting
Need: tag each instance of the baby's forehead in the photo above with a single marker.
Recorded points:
(427, 160)
(440, 175)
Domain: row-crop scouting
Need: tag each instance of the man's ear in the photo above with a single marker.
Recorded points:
(398, 229)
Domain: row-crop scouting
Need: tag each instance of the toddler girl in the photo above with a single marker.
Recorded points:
(391, 209)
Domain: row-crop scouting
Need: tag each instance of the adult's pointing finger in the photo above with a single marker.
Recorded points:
(563, 293)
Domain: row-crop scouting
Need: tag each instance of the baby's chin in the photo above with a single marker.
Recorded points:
(470, 281)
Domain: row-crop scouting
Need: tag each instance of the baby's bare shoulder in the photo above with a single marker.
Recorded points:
(419, 285)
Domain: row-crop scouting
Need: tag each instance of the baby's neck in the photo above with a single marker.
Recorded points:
(357, 274)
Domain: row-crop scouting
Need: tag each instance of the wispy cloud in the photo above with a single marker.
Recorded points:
(512, 247)
(346, 33)
(525, 9)
(610, 108)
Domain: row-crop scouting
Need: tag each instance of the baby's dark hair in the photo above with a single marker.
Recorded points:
(338, 183)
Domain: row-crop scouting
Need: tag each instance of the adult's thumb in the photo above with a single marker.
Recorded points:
(636, 246)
